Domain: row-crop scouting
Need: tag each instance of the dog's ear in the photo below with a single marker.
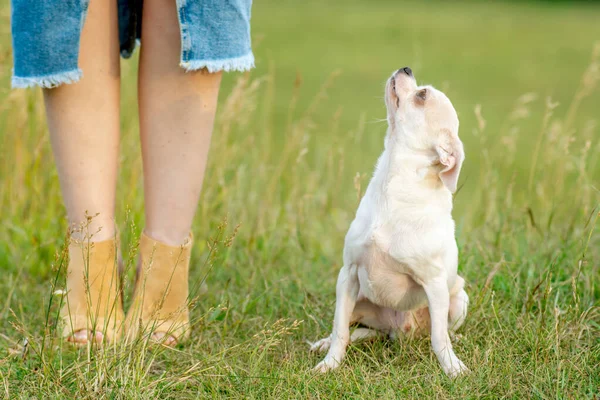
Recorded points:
(451, 155)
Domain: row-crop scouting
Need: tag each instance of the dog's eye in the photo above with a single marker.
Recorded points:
(422, 94)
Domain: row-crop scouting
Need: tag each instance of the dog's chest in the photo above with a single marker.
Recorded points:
(387, 282)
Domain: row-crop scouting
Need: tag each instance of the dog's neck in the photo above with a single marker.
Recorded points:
(409, 173)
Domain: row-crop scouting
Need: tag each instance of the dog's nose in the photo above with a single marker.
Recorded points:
(406, 70)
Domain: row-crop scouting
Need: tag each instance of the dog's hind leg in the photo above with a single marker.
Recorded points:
(346, 294)
(365, 313)
(359, 334)
(321, 345)
(459, 302)
(458, 310)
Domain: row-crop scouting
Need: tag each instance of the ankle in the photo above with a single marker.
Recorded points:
(172, 238)
(94, 231)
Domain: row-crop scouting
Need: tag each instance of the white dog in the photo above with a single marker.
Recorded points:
(400, 255)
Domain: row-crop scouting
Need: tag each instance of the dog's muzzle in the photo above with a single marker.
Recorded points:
(405, 70)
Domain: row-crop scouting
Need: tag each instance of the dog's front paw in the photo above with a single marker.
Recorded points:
(327, 364)
(456, 368)
(320, 346)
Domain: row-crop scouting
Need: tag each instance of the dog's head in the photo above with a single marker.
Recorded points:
(424, 119)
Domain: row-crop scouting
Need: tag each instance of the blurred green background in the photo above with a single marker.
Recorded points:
(479, 52)
(483, 53)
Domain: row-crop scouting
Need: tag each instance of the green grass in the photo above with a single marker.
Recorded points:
(294, 146)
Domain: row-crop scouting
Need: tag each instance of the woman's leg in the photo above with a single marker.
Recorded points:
(177, 111)
(83, 120)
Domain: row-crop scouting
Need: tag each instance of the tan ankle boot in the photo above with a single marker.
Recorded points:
(93, 302)
(160, 298)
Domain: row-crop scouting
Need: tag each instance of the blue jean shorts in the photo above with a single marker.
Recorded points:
(215, 34)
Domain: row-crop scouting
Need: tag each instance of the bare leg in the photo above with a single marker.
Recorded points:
(83, 119)
(346, 294)
(177, 111)
(439, 303)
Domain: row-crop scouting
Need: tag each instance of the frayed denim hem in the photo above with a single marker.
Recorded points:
(243, 63)
(47, 81)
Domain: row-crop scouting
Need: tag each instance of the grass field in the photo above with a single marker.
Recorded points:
(294, 146)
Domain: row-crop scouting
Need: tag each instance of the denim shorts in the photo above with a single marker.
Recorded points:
(215, 34)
